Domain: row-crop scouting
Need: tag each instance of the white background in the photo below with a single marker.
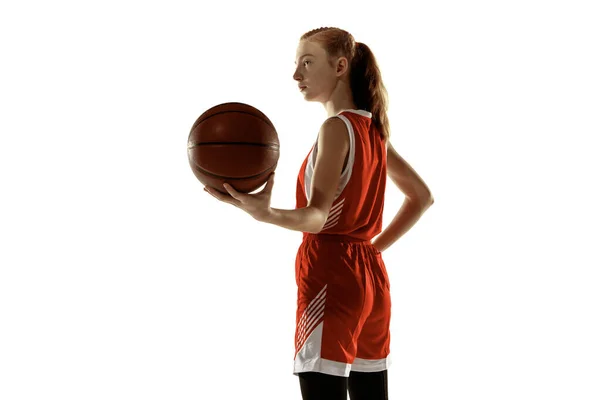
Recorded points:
(121, 279)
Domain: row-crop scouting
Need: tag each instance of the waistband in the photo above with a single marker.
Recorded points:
(334, 238)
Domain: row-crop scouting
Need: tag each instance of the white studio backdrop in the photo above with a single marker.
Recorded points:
(120, 278)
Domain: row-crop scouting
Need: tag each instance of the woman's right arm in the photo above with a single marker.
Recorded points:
(418, 199)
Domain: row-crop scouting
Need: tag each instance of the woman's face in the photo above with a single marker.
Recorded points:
(314, 72)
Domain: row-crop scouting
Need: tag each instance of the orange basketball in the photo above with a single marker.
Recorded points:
(234, 143)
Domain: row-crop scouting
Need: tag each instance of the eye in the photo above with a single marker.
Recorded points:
(306, 61)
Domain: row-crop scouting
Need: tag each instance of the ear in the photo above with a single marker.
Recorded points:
(341, 66)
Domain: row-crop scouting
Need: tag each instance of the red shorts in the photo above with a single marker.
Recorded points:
(344, 307)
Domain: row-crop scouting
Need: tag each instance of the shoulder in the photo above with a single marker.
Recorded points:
(333, 131)
(335, 121)
(333, 139)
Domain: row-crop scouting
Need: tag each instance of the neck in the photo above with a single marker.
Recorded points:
(341, 99)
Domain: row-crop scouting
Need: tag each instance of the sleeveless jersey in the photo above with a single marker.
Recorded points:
(357, 209)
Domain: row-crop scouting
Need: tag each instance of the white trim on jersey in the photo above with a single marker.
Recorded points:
(364, 113)
(345, 177)
(334, 215)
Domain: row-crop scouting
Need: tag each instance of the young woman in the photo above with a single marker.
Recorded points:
(344, 307)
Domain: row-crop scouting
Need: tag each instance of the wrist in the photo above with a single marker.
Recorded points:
(264, 216)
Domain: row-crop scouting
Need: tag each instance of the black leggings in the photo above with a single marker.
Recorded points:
(360, 386)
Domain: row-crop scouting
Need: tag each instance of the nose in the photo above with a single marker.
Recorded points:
(297, 76)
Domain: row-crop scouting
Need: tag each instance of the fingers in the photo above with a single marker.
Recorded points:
(232, 192)
(269, 186)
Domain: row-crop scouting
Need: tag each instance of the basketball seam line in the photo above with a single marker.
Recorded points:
(272, 145)
(268, 122)
(231, 178)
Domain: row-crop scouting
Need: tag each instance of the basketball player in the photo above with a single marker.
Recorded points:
(343, 317)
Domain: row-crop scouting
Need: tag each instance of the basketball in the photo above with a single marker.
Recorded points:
(234, 143)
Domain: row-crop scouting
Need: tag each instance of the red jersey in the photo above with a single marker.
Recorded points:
(357, 208)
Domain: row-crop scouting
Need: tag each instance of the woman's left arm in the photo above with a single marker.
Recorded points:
(332, 144)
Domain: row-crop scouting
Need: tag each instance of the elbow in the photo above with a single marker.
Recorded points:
(317, 227)
(426, 200)
(319, 221)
